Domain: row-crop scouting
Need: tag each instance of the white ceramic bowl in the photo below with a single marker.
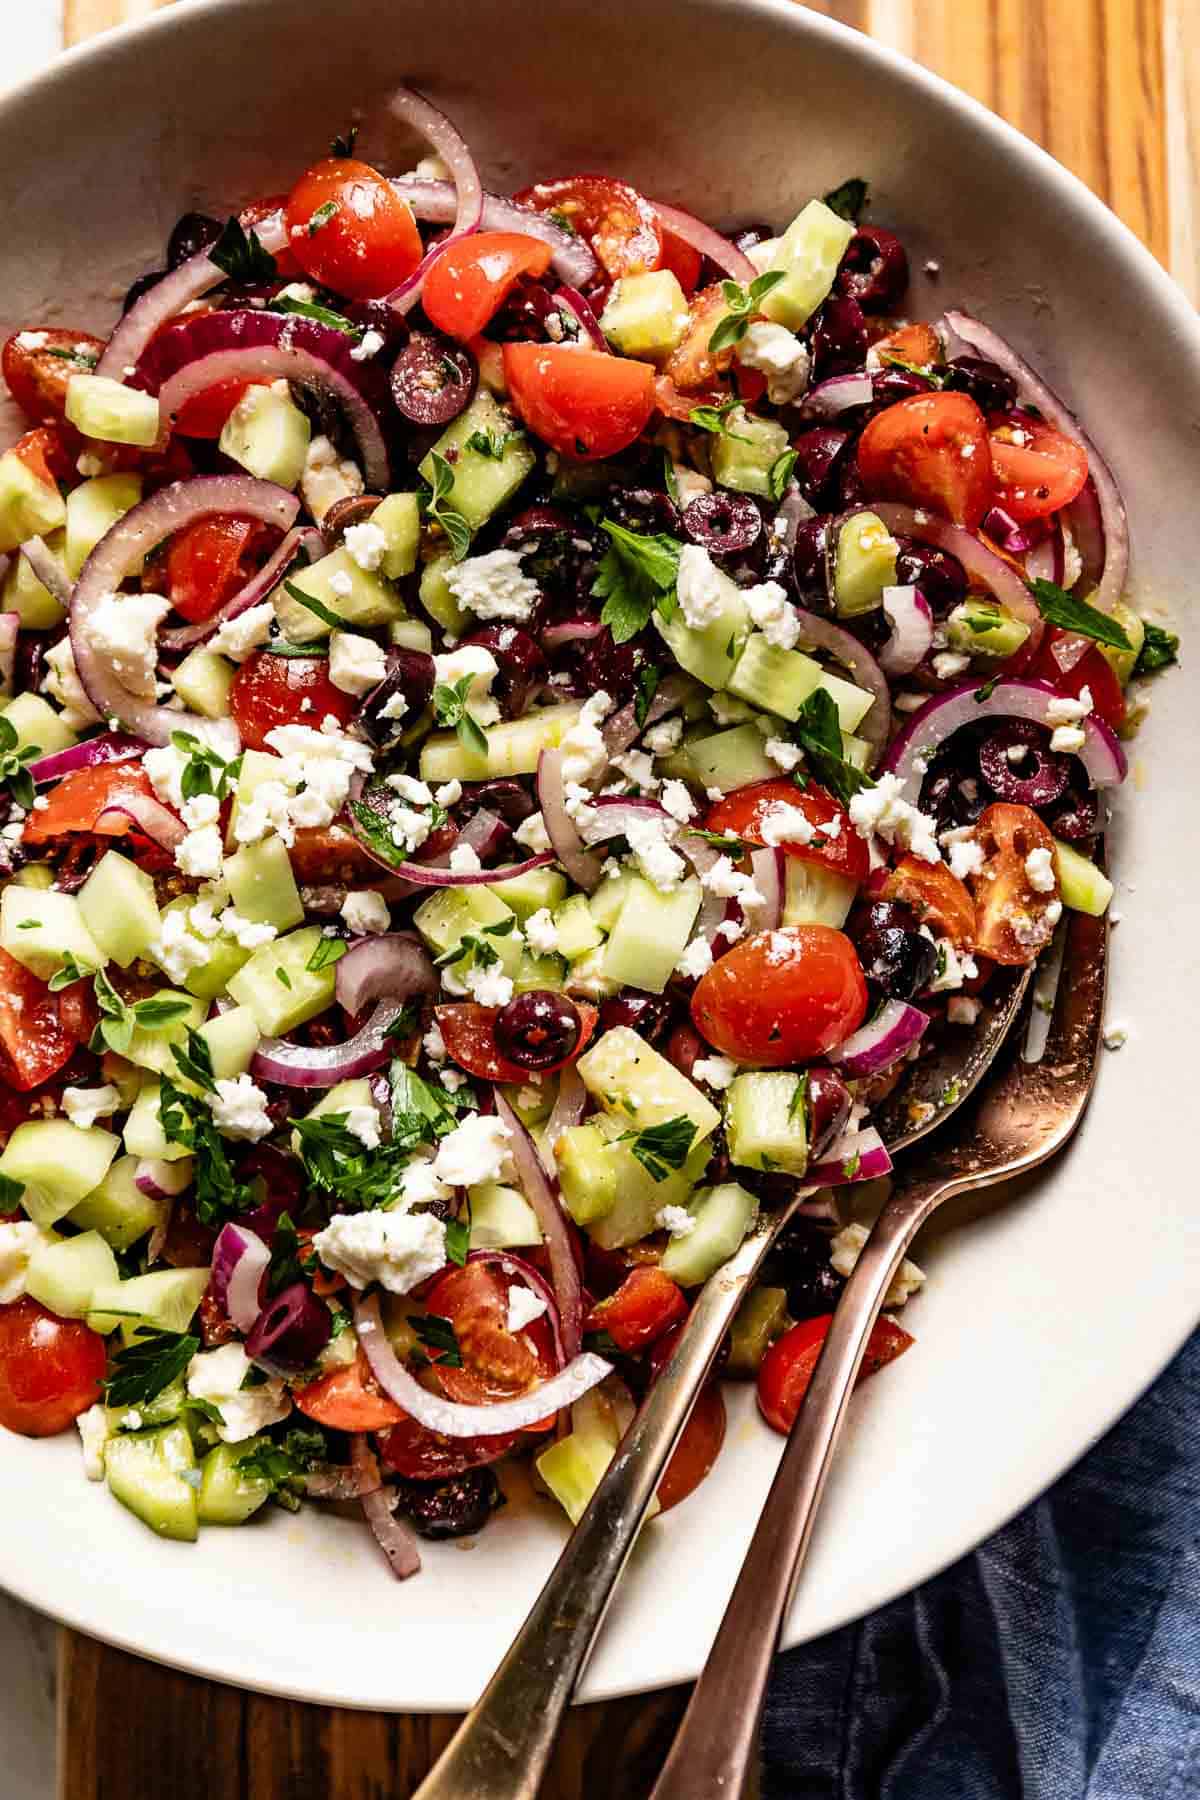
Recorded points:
(1039, 1325)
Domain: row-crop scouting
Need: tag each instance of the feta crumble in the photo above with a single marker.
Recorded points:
(785, 756)
(541, 933)
(493, 586)
(773, 613)
(699, 587)
(845, 1251)
(696, 960)
(356, 663)
(883, 810)
(524, 1306)
(648, 838)
(239, 1109)
(584, 753)
(18, 1242)
(675, 1220)
(217, 1376)
(399, 1250)
(124, 629)
(239, 638)
(366, 545)
(714, 1071)
(1039, 868)
(475, 1151)
(779, 355)
(83, 1106)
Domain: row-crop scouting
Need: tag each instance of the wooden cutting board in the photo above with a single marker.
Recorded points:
(1112, 89)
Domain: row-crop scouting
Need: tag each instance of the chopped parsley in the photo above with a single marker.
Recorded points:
(636, 577)
(1058, 607)
(119, 1021)
(458, 1238)
(240, 254)
(986, 691)
(849, 199)
(322, 216)
(149, 1364)
(451, 521)
(743, 303)
(648, 678)
(439, 1337)
(661, 1148)
(314, 606)
(283, 1465)
(324, 315)
(1159, 650)
(796, 1107)
(714, 418)
(343, 144)
(292, 1258)
(780, 474)
(490, 443)
(325, 953)
(819, 734)
(186, 1120)
(450, 709)
(195, 1062)
(204, 772)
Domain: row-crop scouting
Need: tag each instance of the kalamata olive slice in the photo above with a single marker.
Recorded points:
(809, 554)
(502, 795)
(818, 455)
(992, 388)
(384, 320)
(874, 270)
(685, 1047)
(939, 575)
(829, 1104)
(432, 380)
(410, 675)
(723, 522)
(880, 915)
(522, 663)
(459, 1507)
(953, 797)
(647, 1014)
(891, 384)
(645, 510)
(191, 234)
(355, 509)
(1016, 761)
(897, 963)
(1076, 816)
(839, 338)
(538, 1029)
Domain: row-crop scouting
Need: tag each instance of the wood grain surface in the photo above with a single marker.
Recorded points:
(1112, 89)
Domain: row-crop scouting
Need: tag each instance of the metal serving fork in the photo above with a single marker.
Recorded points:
(502, 1748)
(1017, 1122)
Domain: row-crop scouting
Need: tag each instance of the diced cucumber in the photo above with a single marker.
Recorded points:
(227, 1496)
(29, 506)
(399, 518)
(762, 1317)
(203, 680)
(279, 987)
(64, 1275)
(639, 1198)
(144, 1134)
(813, 895)
(232, 1038)
(744, 454)
(864, 564)
(856, 751)
(709, 653)
(586, 978)
(165, 1300)
(145, 1473)
(37, 725)
(411, 634)
(573, 1468)
(118, 907)
(651, 934)
(765, 1122)
(258, 766)
(630, 1080)
(151, 1049)
(1083, 886)
(982, 628)
(513, 748)
(606, 903)
(103, 408)
(501, 1218)
(369, 600)
(35, 875)
(338, 1099)
(645, 315)
(118, 1209)
(268, 434)
(577, 929)
(723, 1216)
(528, 894)
(56, 1163)
(780, 681)
(224, 957)
(587, 1173)
(166, 1406)
(535, 972)
(482, 484)
(1124, 661)
(261, 884)
(809, 252)
(447, 915)
(41, 930)
(34, 605)
(433, 591)
(93, 508)
(728, 760)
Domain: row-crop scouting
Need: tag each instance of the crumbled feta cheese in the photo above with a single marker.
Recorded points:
(1068, 738)
(341, 584)
(319, 767)
(966, 858)
(175, 950)
(784, 824)
(648, 838)
(663, 738)
(124, 629)
(217, 1376)
(493, 586)
(785, 756)
(1063, 710)
(410, 788)
(948, 664)
(83, 1106)
(490, 986)
(200, 810)
(399, 1250)
(366, 544)
(419, 1186)
(524, 1306)
(239, 1109)
(953, 966)
(327, 478)
(200, 853)
(676, 1220)
(1072, 560)
(18, 1242)
(700, 587)
(715, 1071)
(33, 340)
(846, 1249)
(678, 802)
(541, 933)
(449, 794)
(239, 638)
(409, 828)
(729, 883)
(696, 960)
(476, 1150)
(434, 1044)
(637, 766)
(93, 1435)
(203, 921)
(883, 809)
(362, 1122)
(473, 660)
(356, 663)
(248, 933)
(1039, 867)
(366, 912)
(762, 255)
(584, 754)
(962, 1009)
(371, 344)
(62, 683)
(532, 833)
(779, 355)
(265, 813)
(464, 860)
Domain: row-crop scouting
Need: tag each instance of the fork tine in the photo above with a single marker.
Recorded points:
(1073, 1040)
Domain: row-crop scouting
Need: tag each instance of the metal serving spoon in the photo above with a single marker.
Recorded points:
(503, 1746)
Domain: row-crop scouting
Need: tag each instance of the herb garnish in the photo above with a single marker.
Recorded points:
(713, 418)
(204, 772)
(343, 144)
(1159, 650)
(451, 521)
(438, 1335)
(70, 972)
(241, 255)
(119, 1021)
(450, 709)
(489, 443)
(819, 734)
(283, 1466)
(148, 1365)
(315, 606)
(661, 1148)
(186, 1120)
(13, 773)
(637, 576)
(780, 474)
(647, 678)
(743, 303)
(311, 309)
(1058, 607)
(849, 199)
(322, 216)
(325, 953)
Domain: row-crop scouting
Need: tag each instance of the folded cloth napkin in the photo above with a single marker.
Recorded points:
(1060, 1661)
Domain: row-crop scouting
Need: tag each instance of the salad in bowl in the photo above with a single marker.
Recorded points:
(522, 718)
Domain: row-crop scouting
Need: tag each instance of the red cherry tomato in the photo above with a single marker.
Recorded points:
(742, 814)
(583, 403)
(418, 1454)
(349, 229)
(204, 415)
(348, 1399)
(50, 452)
(497, 1364)
(782, 997)
(80, 799)
(37, 374)
(207, 562)
(916, 344)
(930, 450)
(692, 364)
(470, 281)
(647, 1304)
(284, 690)
(1013, 925)
(697, 1450)
(1088, 669)
(787, 1368)
(39, 1031)
(50, 1369)
(469, 1033)
(938, 898)
(622, 227)
(684, 262)
(1037, 469)
(330, 853)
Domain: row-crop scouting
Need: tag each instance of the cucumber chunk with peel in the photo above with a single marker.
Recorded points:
(645, 315)
(399, 518)
(117, 1207)
(103, 408)
(983, 628)
(513, 747)
(864, 564)
(29, 506)
(37, 725)
(368, 600)
(587, 1173)
(765, 1121)
(146, 1471)
(65, 1275)
(56, 1163)
(279, 988)
(268, 434)
(630, 1080)
(228, 1496)
(93, 508)
(262, 886)
(723, 1216)
(814, 895)
(482, 483)
(809, 253)
(118, 907)
(651, 934)
(165, 1300)
(203, 681)
(747, 450)
(1082, 885)
(501, 1218)
(762, 1317)
(41, 930)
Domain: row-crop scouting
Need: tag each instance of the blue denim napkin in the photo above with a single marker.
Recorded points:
(1060, 1661)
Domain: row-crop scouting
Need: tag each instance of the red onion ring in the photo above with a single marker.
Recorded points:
(149, 815)
(570, 1105)
(990, 570)
(794, 510)
(302, 1066)
(911, 640)
(573, 302)
(413, 109)
(542, 1195)
(436, 202)
(432, 875)
(240, 1259)
(1101, 755)
(584, 869)
(854, 656)
(334, 1481)
(708, 242)
(120, 551)
(48, 570)
(608, 815)
(393, 966)
(1045, 561)
(301, 538)
(1032, 390)
(512, 1264)
(1086, 523)
(896, 1027)
(837, 395)
(108, 748)
(451, 1417)
(396, 1539)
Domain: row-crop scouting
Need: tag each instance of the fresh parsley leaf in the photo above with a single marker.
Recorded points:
(314, 606)
(732, 846)
(70, 973)
(438, 1335)
(451, 522)
(849, 200)
(322, 216)
(743, 303)
(282, 976)
(326, 952)
(851, 1165)
(283, 1465)
(343, 145)
(148, 1365)
(10, 1193)
(240, 254)
(780, 474)
(373, 828)
(470, 951)
(1058, 607)
(79, 355)
(195, 1062)
(458, 1238)
(324, 315)
(796, 1108)
(205, 772)
(450, 709)
(986, 691)
(662, 1148)
(289, 1256)
(219, 1195)
(421, 1113)
(819, 735)
(669, 481)
(489, 443)
(564, 221)
(636, 575)
(1159, 650)
(338, 1162)
(13, 773)
(648, 678)
(406, 1024)
(713, 418)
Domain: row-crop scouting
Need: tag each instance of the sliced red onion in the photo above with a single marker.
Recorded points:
(911, 640)
(580, 630)
(708, 242)
(857, 660)
(393, 966)
(160, 1180)
(990, 570)
(302, 539)
(167, 298)
(570, 1105)
(48, 570)
(837, 395)
(572, 301)
(240, 1260)
(413, 109)
(304, 1066)
(158, 1237)
(883, 1040)
(822, 1209)
(584, 869)
(1044, 562)
(769, 869)
(395, 1538)
(943, 715)
(435, 874)
(10, 625)
(610, 815)
(1004, 530)
(857, 1156)
(704, 857)
(1032, 390)
(523, 1271)
(334, 1481)
(1086, 523)
(122, 549)
(542, 1195)
(89, 755)
(450, 1417)
(436, 202)
(149, 815)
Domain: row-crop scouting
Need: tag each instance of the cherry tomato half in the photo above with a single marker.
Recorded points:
(1086, 668)
(938, 898)
(50, 1369)
(497, 1364)
(1015, 921)
(39, 1031)
(622, 227)
(692, 364)
(697, 1450)
(37, 372)
(469, 282)
(583, 403)
(348, 1399)
(205, 414)
(469, 1034)
(743, 813)
(930, 450)
(782, 997)
(79, 800)
(917, 344)
(647, 1304)
(684, 262)
(284, 690)
(349, 229)
(1037, 469)
(207, 562)
(418, 1454)
(787, 1368)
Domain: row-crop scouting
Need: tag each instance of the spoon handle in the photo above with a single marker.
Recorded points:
(715, 1749)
